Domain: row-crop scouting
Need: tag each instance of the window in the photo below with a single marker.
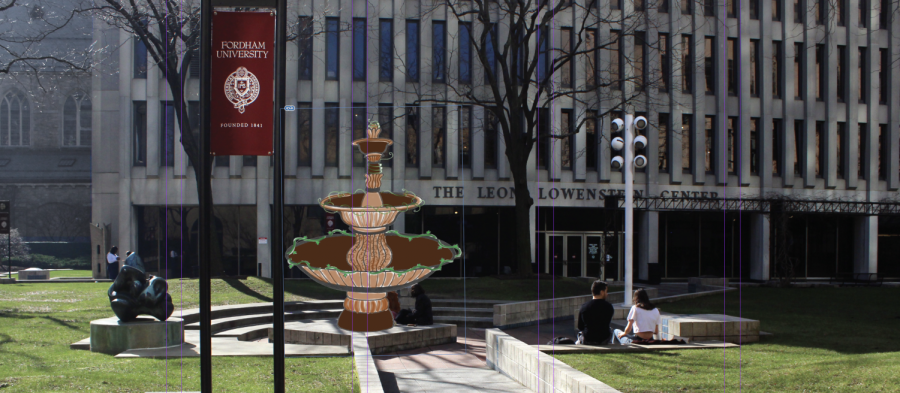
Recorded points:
(663, 7)
(799, 146)
(386, 50)
(167, 133)
(465, 53)
(304, 133)
(664, 66)
(754, 68)
(640, 42)
(332, 131)
(710, 138)
(839, 12)
(710, 65)
(687, 71)
(332, 48)
(841, 67)
(140, 58)
(412, 136)
(139, 134)
(777, 146)
(754, 145)
(590, 43)
(884, 15)
(776, 10)
(709, 7)
(543, 66)
(863, 12)
(591, 140)
(638, 5)
(731, 7)
(543, 143)
(77, 120)
(820, 72)
(438, 51)
(491, 128)
(776, 69)
(438, 136)
(567, 143)
(820, 152)
(567, 72)
(305, 47)
(841, 142)
(412, 51)
(386, 121)
(883, 151)
(615, 4)
(754, 9)
(798, 11)
(732, 67)
(359, 121)
(615, 59)
(862, 157)
(862, 75)
(733, 153)
(687, 7)
(359, 49)
(464, 144)
(821, 10)
(194, 67)
(884, 68)
(687, 154)
(249, 161)
(663, 131)
(799, 73)
(489, 51)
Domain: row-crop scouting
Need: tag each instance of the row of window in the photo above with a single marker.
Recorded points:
(15, 120)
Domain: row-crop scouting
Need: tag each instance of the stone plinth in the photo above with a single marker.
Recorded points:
(112, 336)
(6, 280)
(710, 327)
(34, 274)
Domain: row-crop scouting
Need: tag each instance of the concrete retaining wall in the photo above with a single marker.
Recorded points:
(367, 374)
(510, 315)
(536, 371)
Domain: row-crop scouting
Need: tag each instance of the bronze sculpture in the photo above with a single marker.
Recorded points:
(132, 294)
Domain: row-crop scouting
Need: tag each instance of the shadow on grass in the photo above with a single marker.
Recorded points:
(243, 288)
(47, 317)
(844, 320)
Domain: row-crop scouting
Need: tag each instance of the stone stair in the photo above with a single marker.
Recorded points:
(465, 313)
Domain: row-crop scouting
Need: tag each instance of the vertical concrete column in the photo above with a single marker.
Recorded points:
(865, 236)
(764, 87)
(478, 136)
(451, 145)
(264, 217)
(290, 118)
(759, 246)
(127, 236)
(698, 98)
(153, 119)
(426, 117)
(743, 68)
(345, 78)
(647, 242)
(893, 104)
(554, 165)
(720, 126)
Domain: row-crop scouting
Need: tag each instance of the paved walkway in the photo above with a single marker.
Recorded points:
(447, 368)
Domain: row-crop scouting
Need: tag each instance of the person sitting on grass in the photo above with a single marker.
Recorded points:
(643, 320)
(594, 317)
(421, 315)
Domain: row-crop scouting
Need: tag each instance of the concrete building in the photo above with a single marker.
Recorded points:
(46, 122)
(767, 100)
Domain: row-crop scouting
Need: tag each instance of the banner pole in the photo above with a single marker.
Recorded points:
(277, 245)
(205, 196)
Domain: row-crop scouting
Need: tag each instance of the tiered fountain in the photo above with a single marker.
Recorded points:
(370, 260)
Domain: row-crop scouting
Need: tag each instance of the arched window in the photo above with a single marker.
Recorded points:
(15, 119)
(77, 120)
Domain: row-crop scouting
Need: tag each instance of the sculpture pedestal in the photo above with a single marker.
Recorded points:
(112, 336)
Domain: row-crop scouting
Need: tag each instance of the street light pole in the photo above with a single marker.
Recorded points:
(629, 207)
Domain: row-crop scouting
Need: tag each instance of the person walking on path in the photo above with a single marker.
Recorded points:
(112, 263)
(595, 316)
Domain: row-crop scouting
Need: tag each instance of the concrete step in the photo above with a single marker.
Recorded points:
(193, 315)
(463, 312)
(467, 322)
(222, 324)
(246, 333)
(472, 303)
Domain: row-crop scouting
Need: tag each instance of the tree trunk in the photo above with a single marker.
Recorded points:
(523, 219)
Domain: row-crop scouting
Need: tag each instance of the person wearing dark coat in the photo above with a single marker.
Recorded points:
(422, 314)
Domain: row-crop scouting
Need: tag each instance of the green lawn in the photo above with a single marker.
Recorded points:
(39, 321)
(826, 339)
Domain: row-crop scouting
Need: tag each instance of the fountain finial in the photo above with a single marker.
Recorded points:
(373, 130)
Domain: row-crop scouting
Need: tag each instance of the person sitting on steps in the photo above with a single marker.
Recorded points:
(595, 316)
(643, 319)
(421, 315)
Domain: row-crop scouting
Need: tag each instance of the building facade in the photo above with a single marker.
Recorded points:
(767, 101)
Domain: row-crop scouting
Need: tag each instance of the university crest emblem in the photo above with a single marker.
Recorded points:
(241, 88)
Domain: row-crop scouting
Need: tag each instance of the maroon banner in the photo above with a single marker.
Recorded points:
(243, 70)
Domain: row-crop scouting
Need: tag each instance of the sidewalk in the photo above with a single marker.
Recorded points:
(448, 368)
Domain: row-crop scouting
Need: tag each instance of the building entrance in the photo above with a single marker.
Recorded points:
(582, 254)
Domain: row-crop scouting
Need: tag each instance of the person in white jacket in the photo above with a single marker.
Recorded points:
(643, 320)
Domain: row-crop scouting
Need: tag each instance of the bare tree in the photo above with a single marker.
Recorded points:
(27, 26)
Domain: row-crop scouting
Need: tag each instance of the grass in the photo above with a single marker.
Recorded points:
(826, 339)
(39, 321)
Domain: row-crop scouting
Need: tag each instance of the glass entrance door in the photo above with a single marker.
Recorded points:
(574, 252)
(594, 256)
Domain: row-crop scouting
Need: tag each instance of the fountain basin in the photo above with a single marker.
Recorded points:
(370, 218)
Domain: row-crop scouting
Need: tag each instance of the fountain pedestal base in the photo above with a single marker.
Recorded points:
(361, 322)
